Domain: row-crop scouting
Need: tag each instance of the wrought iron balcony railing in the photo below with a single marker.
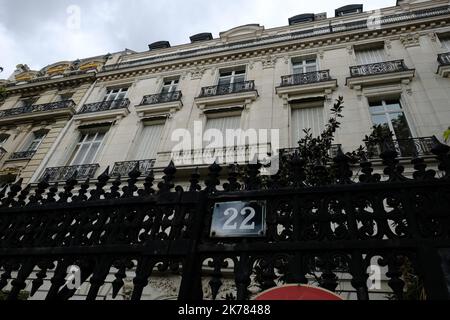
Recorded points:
(405, 148)
(64, 173)
(444, 59)
(223, 89)
(23, 155)
(105, 106)
(305, 78)
(124, 168)
(37, 108)
(332, 152)
(161, 98)
(378, 68)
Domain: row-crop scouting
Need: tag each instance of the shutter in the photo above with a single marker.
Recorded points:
(149, 142)
(307, 118)
(370, 56)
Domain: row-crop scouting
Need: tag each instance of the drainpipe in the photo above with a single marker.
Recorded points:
(44, 162)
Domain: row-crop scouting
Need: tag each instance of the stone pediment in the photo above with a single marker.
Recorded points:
(249, 31)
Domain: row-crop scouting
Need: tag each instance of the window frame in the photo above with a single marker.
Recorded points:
(27, 147)
(387, 113)
(172, 86)
(304, 64)
(82, 141)
(233, 75)
(110, 92)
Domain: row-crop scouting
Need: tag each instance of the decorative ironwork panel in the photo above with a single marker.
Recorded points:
(105, 106)
(64, 173)
(25, 155)
(405, 148)
(330, 235)
(223, 89)
(124, 168)
(378, 68)
(444, 59)
(37, 108)
(332, 153)
(161, 98)
(305, 78)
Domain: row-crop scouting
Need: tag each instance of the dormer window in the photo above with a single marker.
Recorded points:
(349, 10)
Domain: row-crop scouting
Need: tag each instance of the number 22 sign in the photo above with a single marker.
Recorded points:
(239, 219)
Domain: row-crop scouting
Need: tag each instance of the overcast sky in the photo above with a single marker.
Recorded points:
(42, 32)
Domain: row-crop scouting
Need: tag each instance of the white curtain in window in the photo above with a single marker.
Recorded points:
(370, 56)
(149, 142)
(307, 118)
(224, 124)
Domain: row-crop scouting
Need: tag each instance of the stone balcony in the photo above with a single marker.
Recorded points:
(236, 93)
(104, 110)
(297, 86)
(160, 103)
(444, 64)
(37, 112)
(379, 73)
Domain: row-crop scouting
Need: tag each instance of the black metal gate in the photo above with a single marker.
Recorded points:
(318, 231)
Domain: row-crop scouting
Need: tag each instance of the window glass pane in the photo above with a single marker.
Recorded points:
(91, 153)
(100, 136)
(311, 61)
(393, 106)
(311, 68)
(81, 153)
(380, 119)
(89, 137)
(224, 81)
(240, 71)
(400, 125)
(225, 74)
(240, 78)
(307, 118)
(376, 109)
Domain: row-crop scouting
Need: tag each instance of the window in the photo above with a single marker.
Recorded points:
(149, 141)
(304, 65)
(27, 102)
(445, 43)
(64, 97)
(223, 124)
(307, 115)
(87, 148)
(35, 141)
(3, 139)
(389, 114)
(115, 94)
(232, 76)
(370, 55)
(170, 86)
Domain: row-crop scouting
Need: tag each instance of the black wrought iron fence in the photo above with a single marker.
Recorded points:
(319, 230)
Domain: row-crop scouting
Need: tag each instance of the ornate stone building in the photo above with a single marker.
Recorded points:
(390, 65)
(37, 108)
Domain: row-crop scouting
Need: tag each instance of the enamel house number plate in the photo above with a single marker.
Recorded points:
(243, 219)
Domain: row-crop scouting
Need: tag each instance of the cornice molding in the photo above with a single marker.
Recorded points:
(333, 41)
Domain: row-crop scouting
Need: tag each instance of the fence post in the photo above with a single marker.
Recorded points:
(433, 275)
(191, 282)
